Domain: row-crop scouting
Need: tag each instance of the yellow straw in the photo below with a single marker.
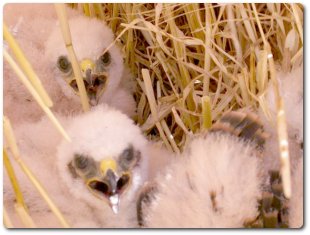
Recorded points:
(24, 216)
(36, 96)
(86, 9)
(6, 219)
(281, 120)
(282, 131)
(62, 16)
(14, 182)
(153, 106)
(26, 66)
(10, 138)
(206, 112)
(98, 10)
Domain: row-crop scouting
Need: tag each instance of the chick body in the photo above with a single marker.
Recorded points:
(101, 133)
(214, 183)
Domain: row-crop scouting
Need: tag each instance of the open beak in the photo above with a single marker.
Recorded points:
(94, 81)
(110, 186)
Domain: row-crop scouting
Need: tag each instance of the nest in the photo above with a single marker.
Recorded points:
(193, 62)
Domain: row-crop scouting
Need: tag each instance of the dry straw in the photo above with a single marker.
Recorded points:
(62, 16)
(26, 66)
(35, 94)
(21, 210)
(194, 62)
(205, 59)
(7, 222)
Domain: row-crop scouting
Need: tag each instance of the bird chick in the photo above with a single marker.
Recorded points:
(23, 20)
(95, 178)
(105, 78)
(215, 182)
(111, 83)
(105, 163)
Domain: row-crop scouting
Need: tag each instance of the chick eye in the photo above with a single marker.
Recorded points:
(63, 64)
(105, 58)
(128, 155)
(129, 158)
(80, 161)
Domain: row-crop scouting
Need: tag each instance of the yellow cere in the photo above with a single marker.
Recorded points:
(107, 164)
(87, 64)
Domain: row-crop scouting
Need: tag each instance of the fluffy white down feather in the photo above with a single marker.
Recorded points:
(42, 49)
(23, 20)
(219, 166)
(104, 132)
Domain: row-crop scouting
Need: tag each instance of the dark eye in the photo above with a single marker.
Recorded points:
(129, 158)
(128, 154)
(64, 64)
(105, 58)
(80, 161)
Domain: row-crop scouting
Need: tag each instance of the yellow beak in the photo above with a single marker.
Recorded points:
(87, 64)
(107, 164)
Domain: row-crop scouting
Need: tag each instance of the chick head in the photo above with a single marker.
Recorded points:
(105, 162)
(101, 71)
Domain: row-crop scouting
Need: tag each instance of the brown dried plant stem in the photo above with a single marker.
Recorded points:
(281, 120)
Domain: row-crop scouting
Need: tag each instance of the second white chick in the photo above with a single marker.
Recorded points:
(215, 183)
(97, 173)
(105, 77)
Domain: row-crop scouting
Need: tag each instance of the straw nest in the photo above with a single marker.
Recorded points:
(195, 61)
(192, 63)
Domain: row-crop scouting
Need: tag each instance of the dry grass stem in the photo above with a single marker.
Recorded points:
(7, 222)
(62, 16)
(35, 95)
(11, 143)
(26, 67)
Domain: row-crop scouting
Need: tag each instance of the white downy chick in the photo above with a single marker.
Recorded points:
(23, 20)
(215, 182)
(100, 171)
(105, 78)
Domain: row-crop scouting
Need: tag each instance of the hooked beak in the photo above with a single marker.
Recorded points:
(94, 81)
(110, 186)
(106, 188)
